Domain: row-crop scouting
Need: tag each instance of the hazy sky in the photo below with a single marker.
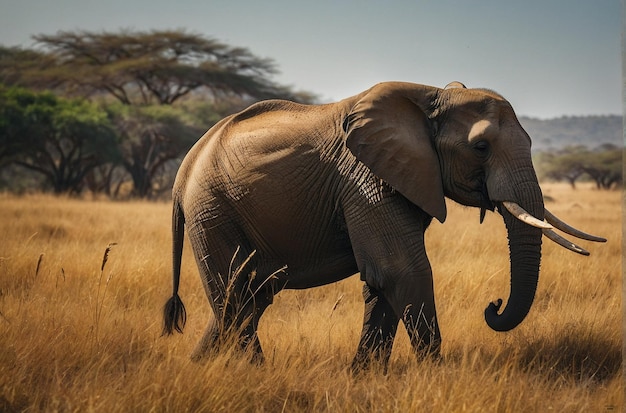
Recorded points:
(548, 57)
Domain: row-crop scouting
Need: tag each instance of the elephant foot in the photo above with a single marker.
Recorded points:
(434, 357)
(430, 352)
(257, 358)
(212, 344)
(202, 352)
(366, 360)
(362, 364)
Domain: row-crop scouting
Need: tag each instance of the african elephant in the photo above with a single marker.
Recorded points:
(284, 195)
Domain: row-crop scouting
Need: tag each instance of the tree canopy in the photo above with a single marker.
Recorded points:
(142, 67)
(59, 138)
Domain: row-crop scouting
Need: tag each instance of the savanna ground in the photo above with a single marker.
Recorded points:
(79, 336)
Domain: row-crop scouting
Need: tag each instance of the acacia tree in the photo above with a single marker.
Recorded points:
(147, 67)
(563, 165)
(150, 137)
(604, 166)
(61, 139)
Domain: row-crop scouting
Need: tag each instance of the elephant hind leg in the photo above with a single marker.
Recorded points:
(227, 264)
(238, 287)
(239, 331)
(235, 322)
(380, 324)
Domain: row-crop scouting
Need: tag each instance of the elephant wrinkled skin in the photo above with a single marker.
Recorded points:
(283, 195)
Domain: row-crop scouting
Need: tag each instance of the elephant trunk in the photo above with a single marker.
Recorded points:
(525, 258)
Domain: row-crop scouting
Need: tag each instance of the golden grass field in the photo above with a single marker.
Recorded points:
(78, 337)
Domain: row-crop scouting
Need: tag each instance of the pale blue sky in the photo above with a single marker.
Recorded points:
(548, 57)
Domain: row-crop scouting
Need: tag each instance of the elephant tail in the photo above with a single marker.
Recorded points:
(174, 313)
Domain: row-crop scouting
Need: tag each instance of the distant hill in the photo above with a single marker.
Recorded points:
(591, 131)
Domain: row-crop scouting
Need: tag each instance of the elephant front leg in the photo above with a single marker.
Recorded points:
(388, 245)
(380, 324)
(414, 301)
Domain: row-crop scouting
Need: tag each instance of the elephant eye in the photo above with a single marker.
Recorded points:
(481, 148)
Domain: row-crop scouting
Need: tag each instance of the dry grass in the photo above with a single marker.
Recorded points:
(81, 334)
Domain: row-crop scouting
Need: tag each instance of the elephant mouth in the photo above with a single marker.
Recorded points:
(485, 202)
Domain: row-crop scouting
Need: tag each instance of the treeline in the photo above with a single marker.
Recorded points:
(113, 113)
(562, 150)
(602, 165)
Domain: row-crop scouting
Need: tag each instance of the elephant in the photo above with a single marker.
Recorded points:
(289, 196)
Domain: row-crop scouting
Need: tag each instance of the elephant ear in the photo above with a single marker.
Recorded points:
(389, 132)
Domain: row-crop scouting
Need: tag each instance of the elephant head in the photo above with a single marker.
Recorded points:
(467, 145)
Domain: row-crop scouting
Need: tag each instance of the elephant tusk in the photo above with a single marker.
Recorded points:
(519, 213)
(553, 236)
(558, 224)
